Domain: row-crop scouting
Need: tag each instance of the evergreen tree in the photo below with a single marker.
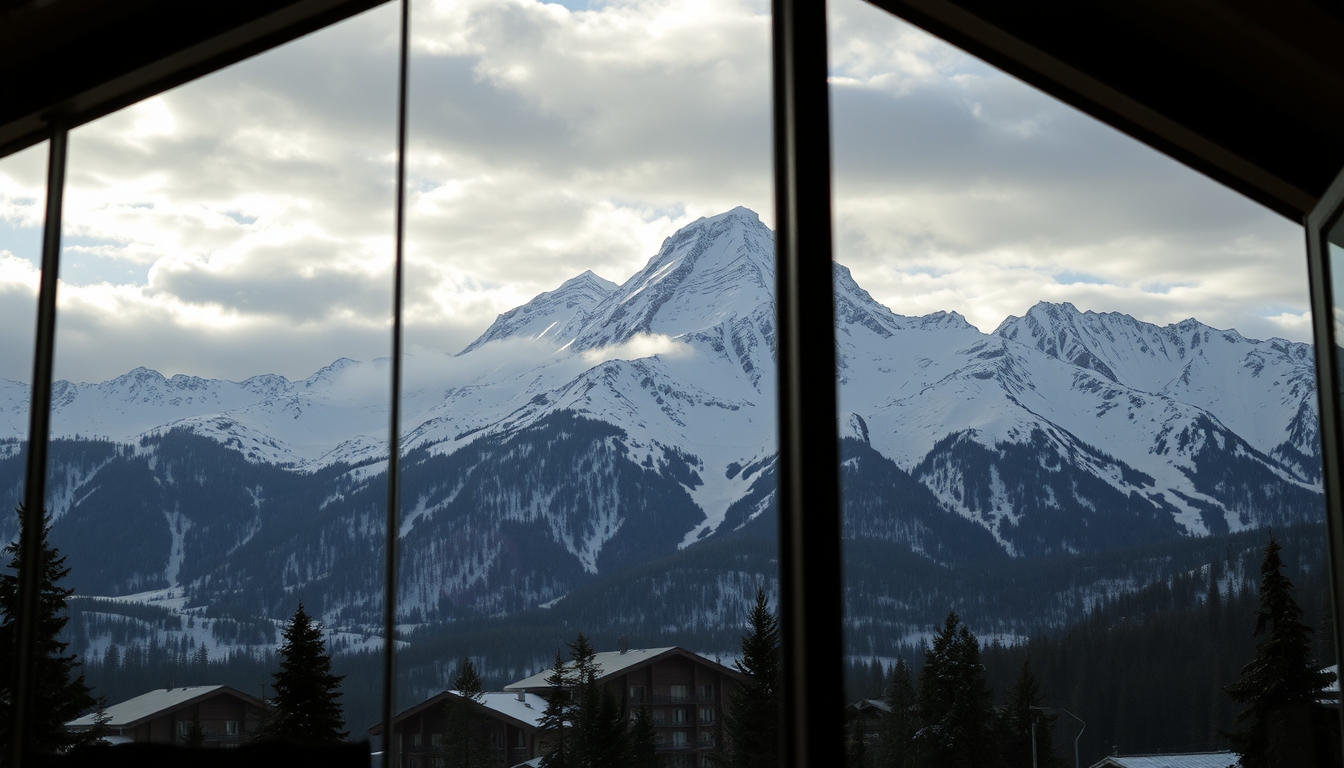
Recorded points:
(955, 702)
(1013, 726)
(896, 738)
(752, 720)
(558, 717)
(59, 693)
(1282, 723)
(599, 738)
(307, 695)
(195, 737)
(466, 737)
(643, 740)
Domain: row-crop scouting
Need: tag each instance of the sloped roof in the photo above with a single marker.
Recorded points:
(147, 706)
(616, 662)
(1187, 760)
(526, 713)
(865, 705)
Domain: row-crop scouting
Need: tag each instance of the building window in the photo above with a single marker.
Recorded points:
(415, 739)
(706, 692)
(679, 740)
(436, 739)
(497, 740)
(659, 716)
(706, 715)
(679, 716)
(707, 739)
(678, 691)
(183, 728)
(636, 693)
(519, 739)
(231, 727)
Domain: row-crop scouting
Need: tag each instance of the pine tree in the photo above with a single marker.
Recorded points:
(59, 693)
(599, 737)
(195, 737)
(752, 720)
(1013, 726)
(643, 741)
(558, 717)
(466, 738)
(1282, 723)
(896, 738)
(97, 735)
(307, 695)
(955, 703)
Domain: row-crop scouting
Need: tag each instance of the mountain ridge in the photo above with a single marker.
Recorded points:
(599, 425)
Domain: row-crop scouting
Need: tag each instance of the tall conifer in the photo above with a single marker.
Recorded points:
(558, 717)
(955, 702)
(307, 695)
(59, 691)
(466, 738)
(1282, 723)
(752, 720)
(896, 737)
(1013, 726)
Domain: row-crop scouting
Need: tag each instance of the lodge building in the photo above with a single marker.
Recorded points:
(228, 717)
(685, 693)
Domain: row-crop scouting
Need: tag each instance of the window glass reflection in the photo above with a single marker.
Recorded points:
(1077, 395)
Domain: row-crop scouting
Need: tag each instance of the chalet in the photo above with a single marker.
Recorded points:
(866, 716)
(227, 716)
(514, 723)
(1174, 760)
(685, 692)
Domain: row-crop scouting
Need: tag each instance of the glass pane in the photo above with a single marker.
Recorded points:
(23, 177)
(1077, 395)
(222, 394)
(589, 407)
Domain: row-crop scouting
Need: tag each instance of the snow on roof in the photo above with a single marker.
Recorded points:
(610, 662)
(528, 711)
(146, 705)
(1187, 760)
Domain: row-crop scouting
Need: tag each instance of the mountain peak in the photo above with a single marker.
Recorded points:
(713, 269)
(554, 315)
(587, 279)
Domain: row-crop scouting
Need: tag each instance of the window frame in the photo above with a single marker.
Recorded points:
(811, 627)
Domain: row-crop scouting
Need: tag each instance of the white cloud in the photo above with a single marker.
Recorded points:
(242, 223)
(640, 345)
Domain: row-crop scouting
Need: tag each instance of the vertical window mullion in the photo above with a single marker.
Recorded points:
(1328, 383)
(390, 745)
(811, 581)
(39, 433)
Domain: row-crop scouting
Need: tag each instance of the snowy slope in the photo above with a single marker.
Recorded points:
(1060, 431)
(552, 315)
(1248, 384)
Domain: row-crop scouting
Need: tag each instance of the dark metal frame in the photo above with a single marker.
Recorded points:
(1326, 213)
(811, 580)
(390, 581)
(811, 576)
(39, 430)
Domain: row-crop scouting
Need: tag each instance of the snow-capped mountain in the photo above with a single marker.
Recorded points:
(600, 426)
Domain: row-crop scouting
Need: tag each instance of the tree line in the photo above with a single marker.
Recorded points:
(1127, 672)
(305, 708)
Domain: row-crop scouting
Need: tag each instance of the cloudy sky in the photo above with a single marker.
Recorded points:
(242, 224)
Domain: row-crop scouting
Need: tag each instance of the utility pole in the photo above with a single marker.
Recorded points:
(1033, 743)
(1076, 763)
